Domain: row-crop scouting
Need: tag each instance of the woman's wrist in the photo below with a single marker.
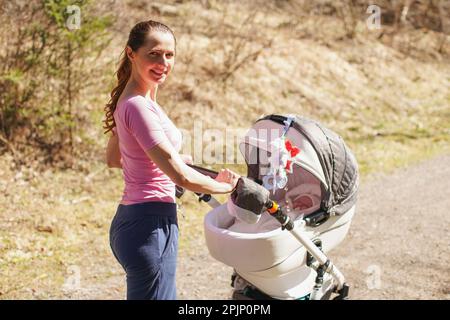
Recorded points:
(187, 158)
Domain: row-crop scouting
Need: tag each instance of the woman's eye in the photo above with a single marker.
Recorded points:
(156, 54)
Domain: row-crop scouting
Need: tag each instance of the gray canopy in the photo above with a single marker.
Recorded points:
(339, 166)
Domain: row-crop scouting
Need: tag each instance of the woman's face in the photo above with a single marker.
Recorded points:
(155, 59)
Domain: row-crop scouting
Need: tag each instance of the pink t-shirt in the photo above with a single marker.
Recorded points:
(141, 124)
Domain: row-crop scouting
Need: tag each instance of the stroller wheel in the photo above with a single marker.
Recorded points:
(343, 293)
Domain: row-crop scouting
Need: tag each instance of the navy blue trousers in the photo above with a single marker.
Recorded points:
(144, 239)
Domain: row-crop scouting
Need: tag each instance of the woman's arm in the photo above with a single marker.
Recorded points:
(113, 157)
(187, 158)
(171, 163)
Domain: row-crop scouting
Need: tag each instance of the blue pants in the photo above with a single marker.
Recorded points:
(144, 239)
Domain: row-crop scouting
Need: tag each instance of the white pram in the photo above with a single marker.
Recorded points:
(313, 177)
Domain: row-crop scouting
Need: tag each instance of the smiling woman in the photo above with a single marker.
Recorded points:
(156, 58)
(145, 144)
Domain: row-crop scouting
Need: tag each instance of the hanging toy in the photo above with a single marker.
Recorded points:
(283, 155)
(293, 152)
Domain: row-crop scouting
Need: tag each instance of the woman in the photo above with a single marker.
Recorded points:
(144, 231)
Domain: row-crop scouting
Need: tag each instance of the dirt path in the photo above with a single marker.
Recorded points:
(398, 246)
(401, 232)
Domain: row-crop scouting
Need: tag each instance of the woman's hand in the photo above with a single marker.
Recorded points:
(228, 176)
(113, 156)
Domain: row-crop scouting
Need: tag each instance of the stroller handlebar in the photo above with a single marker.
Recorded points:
(179, 191)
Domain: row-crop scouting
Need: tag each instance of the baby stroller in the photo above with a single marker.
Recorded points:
(313, 177)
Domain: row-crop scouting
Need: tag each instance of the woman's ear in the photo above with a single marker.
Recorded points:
(129, 52)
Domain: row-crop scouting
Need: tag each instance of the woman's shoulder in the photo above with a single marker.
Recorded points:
(133, 102)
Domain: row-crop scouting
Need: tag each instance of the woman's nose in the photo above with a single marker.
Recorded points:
(163, 61)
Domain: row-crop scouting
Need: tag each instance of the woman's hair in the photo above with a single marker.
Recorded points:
(136, 40)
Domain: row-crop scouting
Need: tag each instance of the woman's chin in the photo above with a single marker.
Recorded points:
(158, 80)
(162, 80)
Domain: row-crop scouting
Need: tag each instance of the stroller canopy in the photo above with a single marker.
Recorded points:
(323, 153)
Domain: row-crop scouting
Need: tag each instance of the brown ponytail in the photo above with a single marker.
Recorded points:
(135, 40)
(123, 74)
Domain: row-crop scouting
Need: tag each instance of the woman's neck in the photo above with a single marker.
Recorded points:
(134, 86)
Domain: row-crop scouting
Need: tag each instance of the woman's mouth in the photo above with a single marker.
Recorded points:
(157, 73)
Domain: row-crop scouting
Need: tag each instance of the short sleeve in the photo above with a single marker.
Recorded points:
(144, 123)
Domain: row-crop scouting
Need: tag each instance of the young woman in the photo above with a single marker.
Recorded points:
(145, 144)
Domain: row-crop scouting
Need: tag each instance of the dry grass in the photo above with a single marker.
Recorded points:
(391, 108)
(50, 223)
